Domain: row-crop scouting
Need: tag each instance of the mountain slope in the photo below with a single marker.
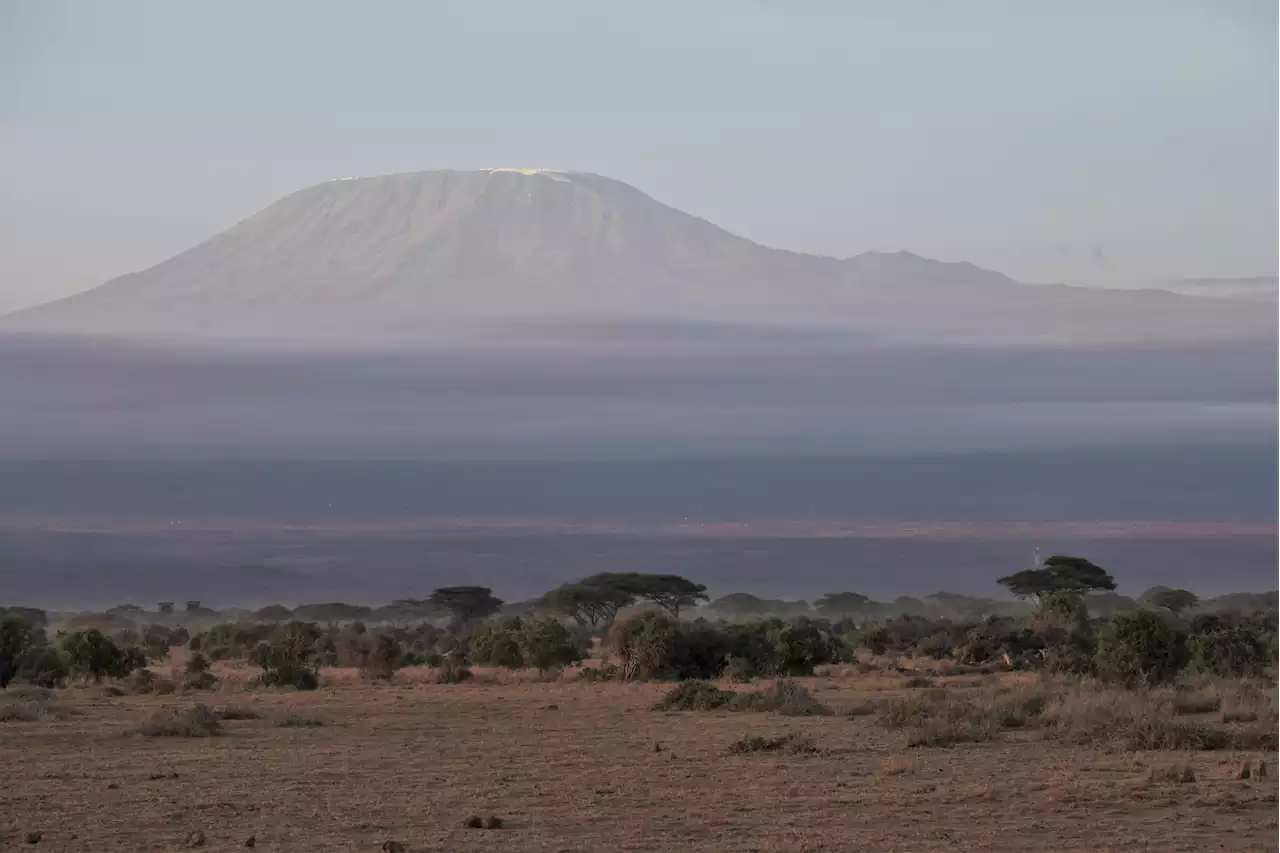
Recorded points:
(431, 253)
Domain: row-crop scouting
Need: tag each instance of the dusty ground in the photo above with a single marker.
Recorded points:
(572, 766)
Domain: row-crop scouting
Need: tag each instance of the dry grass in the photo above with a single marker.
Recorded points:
(1145, 720)
(196, 721)
(411, 761)
(25, 704)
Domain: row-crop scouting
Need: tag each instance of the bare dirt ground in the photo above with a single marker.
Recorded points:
(574, 766)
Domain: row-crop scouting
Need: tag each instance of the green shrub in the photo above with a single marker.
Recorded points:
(1229, 649)
(1138, 648)
(936, 645)
(547, 644)
(497, 643)
(654, 645)
(42, 666)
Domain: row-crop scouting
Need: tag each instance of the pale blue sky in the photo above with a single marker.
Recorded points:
(1084, 140)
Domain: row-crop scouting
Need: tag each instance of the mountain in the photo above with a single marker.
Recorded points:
(442, 253)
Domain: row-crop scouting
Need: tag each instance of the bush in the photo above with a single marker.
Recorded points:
(656, 646)
(298, 721)
(196, 675)
(1142, 720)
(196, 721)
(237, 712)
(16, 636)
(144, 681)
(1140, 648)
(30, 705)
(694, 696)
(793, 743)
(381, 658)
(785, 696)
(1229, 649)
(92, 654)
(944, 733)
(453, 669)
(42, 666)
(497, 643)
(937, 646)
(288, 658)
(547, 644)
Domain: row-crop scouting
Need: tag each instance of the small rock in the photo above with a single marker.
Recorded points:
(112, 786)
(493, 823)
(473, 822)
(32, 837)
(553, 707)
(657, 747)
(251, 841)
(195, 838)
(390, 846)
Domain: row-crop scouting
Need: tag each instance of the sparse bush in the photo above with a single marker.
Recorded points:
(144, 681)
(298, 721)
(938, 718)
(694, 696)
(944, 733)
(919, 681)
(196, 721)
(196, 675)
(288, 658)
(1140, 648)
(1185, 704)
(453, 669)
(785, 696)
(237, 712)
(30, 705)
(796, 744)
(381, 658)
(1142, 720)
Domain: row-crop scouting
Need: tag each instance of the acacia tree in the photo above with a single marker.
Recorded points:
(586, 604)
(466, 603)
(837, 604)
(1074, 575)
(670, 592)
(1175, 600)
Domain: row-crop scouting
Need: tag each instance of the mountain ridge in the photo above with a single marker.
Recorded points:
(420, 253)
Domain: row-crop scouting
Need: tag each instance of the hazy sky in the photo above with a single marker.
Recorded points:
(1084, 140)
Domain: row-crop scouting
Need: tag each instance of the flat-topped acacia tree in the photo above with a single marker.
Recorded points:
(1059, 574)
(466, 603)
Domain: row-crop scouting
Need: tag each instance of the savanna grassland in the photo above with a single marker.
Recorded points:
(883, 757)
